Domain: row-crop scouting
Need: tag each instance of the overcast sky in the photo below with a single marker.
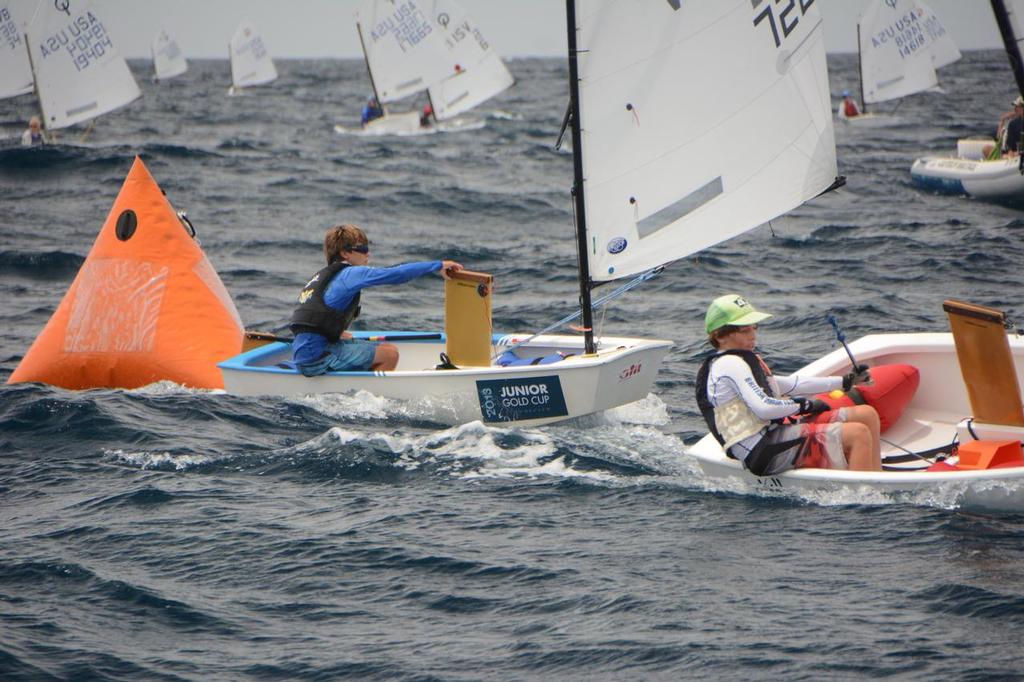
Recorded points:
(516, 28)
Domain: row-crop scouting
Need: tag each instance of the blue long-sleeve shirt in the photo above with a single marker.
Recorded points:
(309, 346)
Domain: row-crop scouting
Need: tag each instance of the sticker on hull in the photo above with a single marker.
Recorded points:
(506, 400)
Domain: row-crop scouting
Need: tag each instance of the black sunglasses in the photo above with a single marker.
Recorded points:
(359, 248)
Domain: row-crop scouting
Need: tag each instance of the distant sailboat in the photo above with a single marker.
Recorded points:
(436, 47)
(979, 169)
(479, 72)
(901, 44)
(168, 59)
(78, 72)
(15, 69)
(251, 64)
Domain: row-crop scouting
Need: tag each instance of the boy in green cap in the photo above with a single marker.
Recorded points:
(744, 404)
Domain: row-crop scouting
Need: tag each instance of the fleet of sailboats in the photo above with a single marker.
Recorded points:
(900, 43)
(662, 169)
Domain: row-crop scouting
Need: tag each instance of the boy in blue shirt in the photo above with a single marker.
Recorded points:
(330, 302)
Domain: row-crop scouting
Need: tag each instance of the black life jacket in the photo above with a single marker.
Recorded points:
(314, 315)
(707, 410)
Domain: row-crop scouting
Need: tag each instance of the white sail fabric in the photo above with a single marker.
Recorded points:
(700, 121)
(941, 46)
(902, 42)
(404, 50)
(1015, 11)
(79, 73)
(479, 73)
(168, 59)
(15, 70)
(250, 62)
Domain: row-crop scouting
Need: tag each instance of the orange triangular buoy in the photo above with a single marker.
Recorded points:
(145, 306)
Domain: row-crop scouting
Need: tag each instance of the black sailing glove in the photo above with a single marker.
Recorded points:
(859, 375)
(812, 406)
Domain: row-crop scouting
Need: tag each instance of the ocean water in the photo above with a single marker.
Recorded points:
(171, 534)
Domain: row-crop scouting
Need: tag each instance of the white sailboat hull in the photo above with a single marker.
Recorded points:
(621, 372)
(871, 120)
(999, 180)
(408, 124)
(930, 421)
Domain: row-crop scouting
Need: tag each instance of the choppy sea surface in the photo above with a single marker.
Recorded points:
(172, 534)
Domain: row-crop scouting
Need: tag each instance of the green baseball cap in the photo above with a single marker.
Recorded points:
(731, 309)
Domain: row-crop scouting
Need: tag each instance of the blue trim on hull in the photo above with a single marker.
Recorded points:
(937, 184)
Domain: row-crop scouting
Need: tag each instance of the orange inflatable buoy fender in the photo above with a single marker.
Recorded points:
(891, 389)
(145, 306)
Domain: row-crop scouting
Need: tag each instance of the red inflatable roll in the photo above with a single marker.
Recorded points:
(891, 389)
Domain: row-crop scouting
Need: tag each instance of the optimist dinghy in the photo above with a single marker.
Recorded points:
(251, 63)
(900, 44)
(77, 70)
(957, 435)
(552, 379)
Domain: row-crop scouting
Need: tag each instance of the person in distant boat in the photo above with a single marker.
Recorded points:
(427, 116)
(34, 135)
(330, 302)
(1009, 129)
(748, 410)
(849, 106)
(371, 110)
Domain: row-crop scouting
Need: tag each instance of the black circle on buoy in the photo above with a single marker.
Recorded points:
(481, 290)
(126, 224)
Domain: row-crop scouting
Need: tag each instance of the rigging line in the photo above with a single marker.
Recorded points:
(628, 286)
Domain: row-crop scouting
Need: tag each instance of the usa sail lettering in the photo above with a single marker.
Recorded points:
(85, 40)
(9, 32)
(787, 18)
(406, 24)
(906, 33)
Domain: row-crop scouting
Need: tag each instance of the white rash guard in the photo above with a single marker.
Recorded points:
(730, 377)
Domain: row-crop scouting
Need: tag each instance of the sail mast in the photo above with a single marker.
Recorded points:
(1009, 42)
(860, 73)
(366, 59)
(35, 87)
(577, 187)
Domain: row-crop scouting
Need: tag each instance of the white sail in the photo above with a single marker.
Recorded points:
(902, 42)
(168, 59)
(941, 46)
(403, 46)
(1015, 11)
(700, 121)
(250, 62)
(479, 73)
(78, 71)
(15, 70)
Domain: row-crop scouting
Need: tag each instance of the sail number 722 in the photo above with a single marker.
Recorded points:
(786, 18)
